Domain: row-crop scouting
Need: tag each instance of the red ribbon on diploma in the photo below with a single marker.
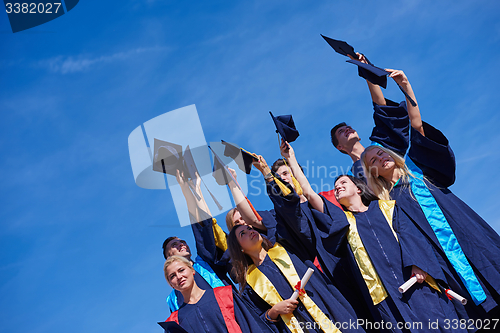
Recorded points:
(447, 295)
(301, 291)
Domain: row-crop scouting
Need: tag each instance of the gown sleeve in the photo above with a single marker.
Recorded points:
(392, 125)
(208, 246)
(433, 155)
(293, 228)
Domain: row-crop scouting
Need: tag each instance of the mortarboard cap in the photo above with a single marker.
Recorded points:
(188, 164)
(371, 73)
(171, 327)
(285, 127)
(190, 170)
(243, 158)
(341, 47)
(377, 75)
(167, 157)
(220, 172)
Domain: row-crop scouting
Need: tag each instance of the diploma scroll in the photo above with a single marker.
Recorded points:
(451, 294)
(407, 285)
(302, 283)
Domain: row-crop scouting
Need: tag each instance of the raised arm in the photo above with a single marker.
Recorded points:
(375, 91)
(203, 210)
(188, 195)
(413, 111)
(198, 209)
(242, 204)
(313, 198)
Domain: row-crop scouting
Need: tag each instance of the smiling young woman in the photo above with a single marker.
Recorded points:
(268, 274)
(466, 244)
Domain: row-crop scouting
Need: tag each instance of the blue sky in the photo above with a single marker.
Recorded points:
(81, 243)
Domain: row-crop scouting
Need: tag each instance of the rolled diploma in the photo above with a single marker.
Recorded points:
(303, 283)
(456, 296)
(405, 286)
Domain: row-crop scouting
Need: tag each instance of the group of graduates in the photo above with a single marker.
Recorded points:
(390, 220)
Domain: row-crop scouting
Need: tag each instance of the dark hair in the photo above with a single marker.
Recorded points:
(333, 135)
(164, 246)
(279, 163)
(240, 260)
(366, 194)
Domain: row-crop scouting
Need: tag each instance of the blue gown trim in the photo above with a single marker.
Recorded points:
(206, 272)
(444, 234)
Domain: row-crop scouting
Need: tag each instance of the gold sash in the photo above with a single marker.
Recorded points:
(372, 280)
(265, 289)
(219, 235)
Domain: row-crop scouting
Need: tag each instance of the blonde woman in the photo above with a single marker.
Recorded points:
(467, 246)
(211, 310)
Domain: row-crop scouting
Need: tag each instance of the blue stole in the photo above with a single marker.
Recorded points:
(444, 233)
(206, 272)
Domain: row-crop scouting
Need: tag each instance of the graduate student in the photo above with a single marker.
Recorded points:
(390, 130)
(388, 249)
(467, 246)
(270, 274)
(207, 310)
(382, 248)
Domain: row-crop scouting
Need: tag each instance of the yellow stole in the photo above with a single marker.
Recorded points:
(377, 290)
(219, 235)
(265, 289)
(372, 280)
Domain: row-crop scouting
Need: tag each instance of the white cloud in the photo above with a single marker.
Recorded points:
(70, 64)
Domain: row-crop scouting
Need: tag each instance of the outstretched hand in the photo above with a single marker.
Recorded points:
(233, 172)
(286, 150)
(398, 76)
(361, 57)
(179, 175)
(261, 164)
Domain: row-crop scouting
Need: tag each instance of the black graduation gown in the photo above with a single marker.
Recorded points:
(207, 315)
(311, 236)
(393, 261)
(478, 241)
(320, 290)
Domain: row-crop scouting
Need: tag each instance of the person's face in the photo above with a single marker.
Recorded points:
(380, 163)
(284, 172)
(238, 219)
(345, 189)
(180, 276)
(248, 238)
(345, 135)
(177, 247)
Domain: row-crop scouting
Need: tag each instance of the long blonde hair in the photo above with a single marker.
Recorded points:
(379, 185)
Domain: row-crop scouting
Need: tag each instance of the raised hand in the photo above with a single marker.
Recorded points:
(261, 165)
(361, 57)
(286, 150)
(398, 76)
